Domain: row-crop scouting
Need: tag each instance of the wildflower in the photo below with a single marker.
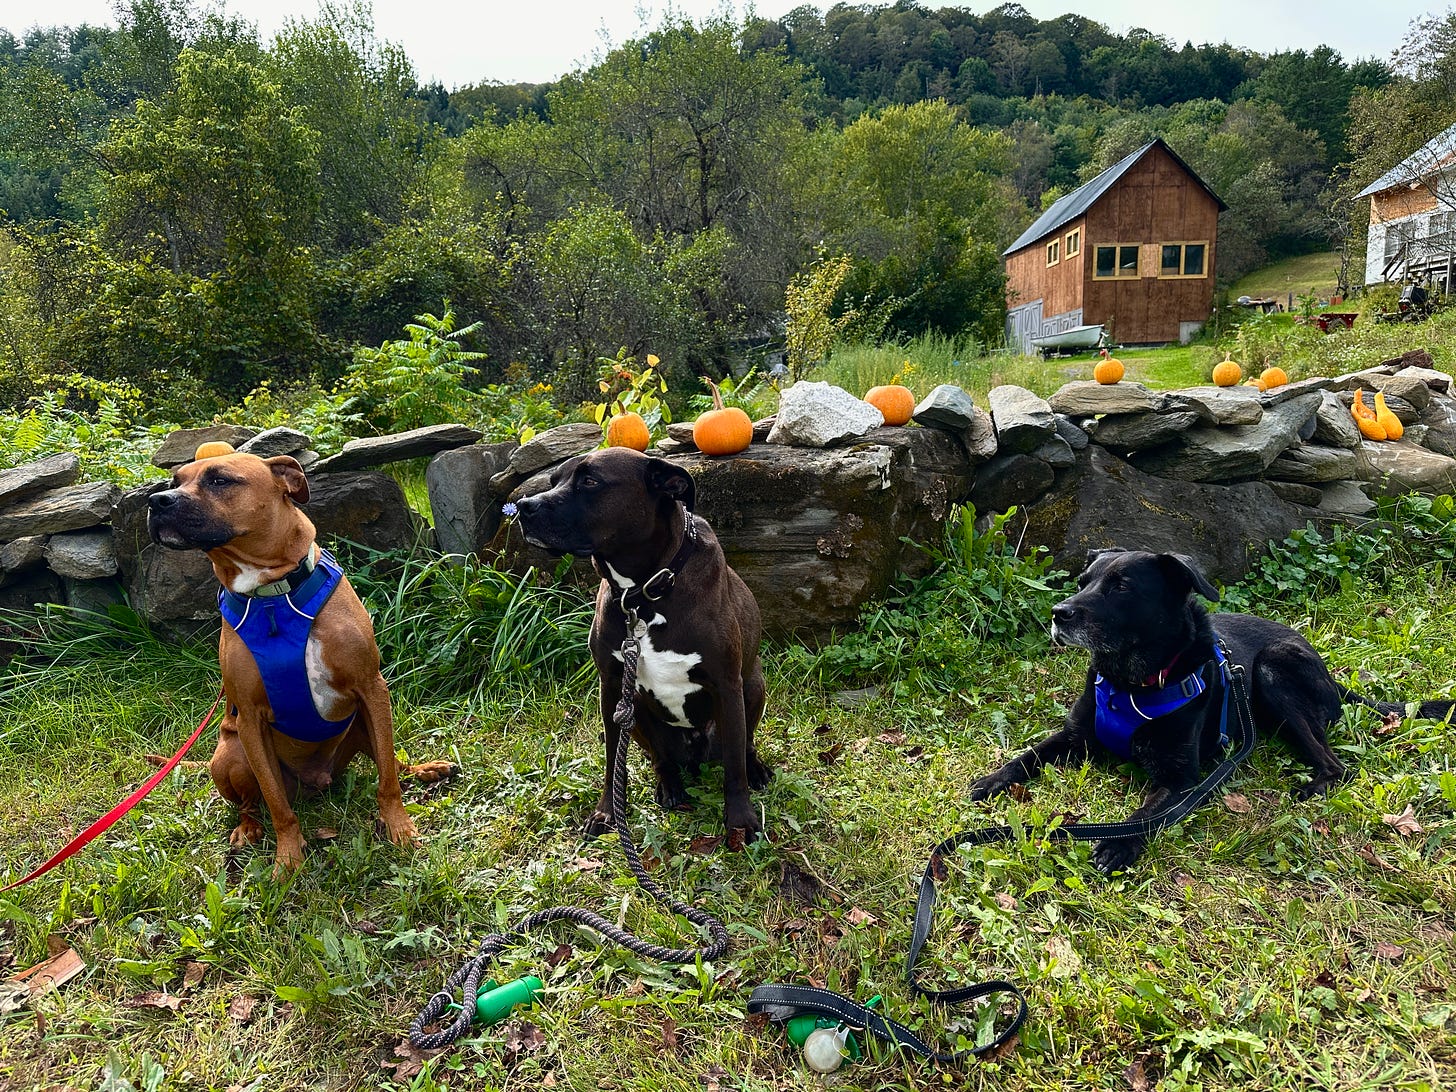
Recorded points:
(508, 509)
(652, 360)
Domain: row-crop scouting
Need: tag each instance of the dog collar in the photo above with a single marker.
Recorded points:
(658, 586)
(293, 580)
(1121, 712)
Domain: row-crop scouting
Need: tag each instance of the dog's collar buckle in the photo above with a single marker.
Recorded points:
(292, 581)
(664, 579)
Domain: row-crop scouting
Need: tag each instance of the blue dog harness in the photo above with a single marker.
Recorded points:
(274, 624)
(1122, 712)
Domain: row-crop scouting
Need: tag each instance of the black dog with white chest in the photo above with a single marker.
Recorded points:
(1155, 686)
(700, 691)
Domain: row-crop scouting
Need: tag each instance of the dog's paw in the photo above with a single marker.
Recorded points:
(671, 796)
(288, 859)
(399, 828)
(987, 787)
(743, 824)
(598, 823)
(429, 772)
(248, 832)
(1116, 854)
(759, 773)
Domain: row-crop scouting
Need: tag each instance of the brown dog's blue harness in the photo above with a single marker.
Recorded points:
(1121, 712)
(274, 624)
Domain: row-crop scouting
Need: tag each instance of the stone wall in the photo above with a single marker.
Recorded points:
(819, 514)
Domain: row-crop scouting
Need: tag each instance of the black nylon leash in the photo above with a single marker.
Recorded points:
(467, 976)
(781, 1002)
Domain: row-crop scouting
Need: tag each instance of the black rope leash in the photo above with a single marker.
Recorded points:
(467, 976)
(780, 1002)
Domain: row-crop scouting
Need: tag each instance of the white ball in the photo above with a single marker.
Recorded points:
(824, 1050)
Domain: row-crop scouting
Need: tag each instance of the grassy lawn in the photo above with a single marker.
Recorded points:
(1307, 273)
(1263, 944)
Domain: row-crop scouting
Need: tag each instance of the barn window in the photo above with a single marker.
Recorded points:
(1183, 260)
(1119, 260)
(1074, 243)
(1053, 252)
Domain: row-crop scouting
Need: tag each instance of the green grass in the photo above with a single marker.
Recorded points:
(1249, 949)
(1306, 273)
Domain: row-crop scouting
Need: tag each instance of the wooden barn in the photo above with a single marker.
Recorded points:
(1132, 250)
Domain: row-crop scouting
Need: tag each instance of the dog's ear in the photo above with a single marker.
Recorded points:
(672, 480)
(288, 471)
(1093, 555)
(1183, 568)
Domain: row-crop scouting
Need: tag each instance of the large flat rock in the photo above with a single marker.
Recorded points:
(32, 477)
(1024, 421)
(181, 445)
(1088, 398)
(67, 508)
(418, 443)
(1232, 452)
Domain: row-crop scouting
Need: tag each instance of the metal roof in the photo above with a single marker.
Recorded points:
(1067, 208)
(1416, 166)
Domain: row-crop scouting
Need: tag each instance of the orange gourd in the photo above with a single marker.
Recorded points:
(1364, 416)
(1359, 409)
(1273, 377)
(894, 401)
(1256, 383)
(1109, 369)
(1227, 372)
(720, 430)
(628, 430)
(1387, 419)
(212, 449)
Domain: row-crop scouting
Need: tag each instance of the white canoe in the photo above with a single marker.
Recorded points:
(1078, 337)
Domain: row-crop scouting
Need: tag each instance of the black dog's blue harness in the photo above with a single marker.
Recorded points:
(1121, 712)
(274, 624)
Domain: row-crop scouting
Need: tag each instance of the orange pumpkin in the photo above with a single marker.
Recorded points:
(1370, 429)
(1273, 377)
(720, 430)
(1227, 372)
(1109, 369)
(628, 430)
(212, 449)
(1387, 419)
(894, 401)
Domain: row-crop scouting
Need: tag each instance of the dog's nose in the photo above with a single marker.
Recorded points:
(526, 505)
(1063, 612)
(160, 502)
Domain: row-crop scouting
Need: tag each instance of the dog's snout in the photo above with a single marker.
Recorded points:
(1063, 612)
(167, 498)
(527, 505)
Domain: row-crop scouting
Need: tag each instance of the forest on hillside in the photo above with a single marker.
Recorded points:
(193, 211)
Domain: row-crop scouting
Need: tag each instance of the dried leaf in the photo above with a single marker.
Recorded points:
(408, 1062)
(1367, 854)
(704, 844)
(1320, 827)
(1387, 950)
(240, 1009)
(325, 834)
(185, 764)
(828, 756)
(166, 1002)
(39, 980)
(891, 739)
(669, 1036)
(1006, 901)
(737, 839)
(585, 864)
(1237, 803)
(367, 927)
(914, 754)
(858, 917)
(1063, 960)
(712, 1079)
(192, 974)
(823, 729)
(1325, 979)
(1388, 724)
(1362, 996)
(524, 1037)
(798, 885)
(938, 871)
(1018, 792)
(1137, 1076)
(1405, 823)
(563, 952)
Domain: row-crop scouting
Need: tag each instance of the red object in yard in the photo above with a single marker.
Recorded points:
(1335, 320)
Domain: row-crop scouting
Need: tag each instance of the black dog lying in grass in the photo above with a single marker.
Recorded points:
(1155, 688)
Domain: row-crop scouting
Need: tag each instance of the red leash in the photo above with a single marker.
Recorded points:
(101, 825)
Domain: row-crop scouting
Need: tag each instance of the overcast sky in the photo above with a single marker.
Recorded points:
(461, 42)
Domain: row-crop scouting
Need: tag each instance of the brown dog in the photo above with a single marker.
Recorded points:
(299, 719)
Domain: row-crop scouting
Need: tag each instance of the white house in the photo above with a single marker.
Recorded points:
(1413, 217)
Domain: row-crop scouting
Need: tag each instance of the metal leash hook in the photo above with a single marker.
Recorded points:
(467, 977)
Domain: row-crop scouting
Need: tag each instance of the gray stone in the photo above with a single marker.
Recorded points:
(1296, 492)
(1219, 405)
(1229, 453)
(1126, 432)
(819, 415)
(1289, 391)
(854, 699)
(418, 443)
(95, 596)
(1440, 422)
(1333, 425)
(672, 447)
(762, 427)
(363, 507)
(1416, 433)
(1345, 499)
(23, 553)
(180, 446)
(27, 591)
(1073, 433)
(1010, 481)
(1056, 453)
(82, 555)
(276, 441)
(174, 590)
(1023, 420)
(1408, 387)
(1088, 398)
(551, 447)
(1438, 381)
(1106, 503)
(47, 473)
(950, 408)
(306, 459)
(1312, 463)
(467, 513)
(1401, 467)
(682, 432)
(67, 508)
